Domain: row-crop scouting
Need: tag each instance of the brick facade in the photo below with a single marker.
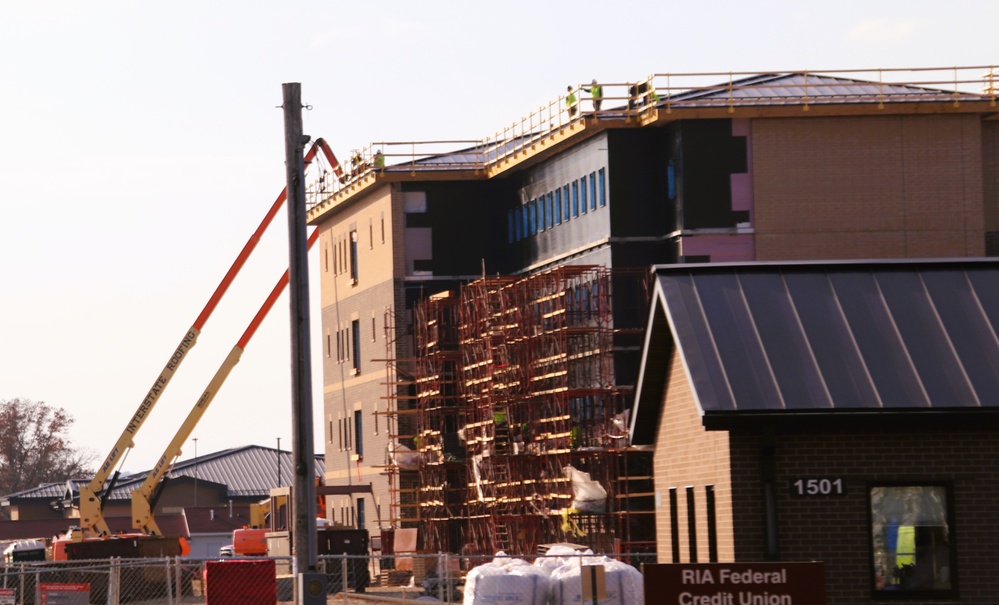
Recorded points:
(868, 187)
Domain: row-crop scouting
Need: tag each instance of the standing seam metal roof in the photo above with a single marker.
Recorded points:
(846, 336)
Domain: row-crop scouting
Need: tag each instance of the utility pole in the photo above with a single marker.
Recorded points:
(310, 586)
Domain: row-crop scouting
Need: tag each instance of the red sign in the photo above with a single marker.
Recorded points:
(767, 583)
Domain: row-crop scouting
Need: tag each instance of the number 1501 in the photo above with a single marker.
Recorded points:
(818, 487)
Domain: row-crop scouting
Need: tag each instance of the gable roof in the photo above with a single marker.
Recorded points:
(246, 472)
(838, 337)
(812, 88)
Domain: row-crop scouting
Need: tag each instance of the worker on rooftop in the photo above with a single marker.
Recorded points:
(596, 94)
(570, 102)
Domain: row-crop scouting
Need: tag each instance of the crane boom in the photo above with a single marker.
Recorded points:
(91, 498)
(144, 498)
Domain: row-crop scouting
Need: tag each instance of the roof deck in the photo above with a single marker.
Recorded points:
(654, 101)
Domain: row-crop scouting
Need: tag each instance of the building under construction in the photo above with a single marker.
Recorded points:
(515, 398)
(482, 304)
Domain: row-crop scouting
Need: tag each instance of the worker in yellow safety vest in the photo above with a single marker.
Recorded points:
(570, 102)
(596, 94)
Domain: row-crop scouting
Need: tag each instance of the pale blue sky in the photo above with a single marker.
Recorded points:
(141, 144)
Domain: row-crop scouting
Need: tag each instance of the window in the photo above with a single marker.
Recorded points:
(911, 539)
(358, 432)
(525, 226)
(532, 208)
(593, 191)
(671, 180)
(329, 347)
(371, 233)
(582, 194)
(374, 332)
(575, 199)
(565, 202)
(383, 227)
(353, 255)
(602, 187)
(541, 213)
(355, 329)
(551, 209)
(558, 206)
(517, 224)
(360, 513)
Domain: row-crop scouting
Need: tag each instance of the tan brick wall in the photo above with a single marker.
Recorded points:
(892, 187)
(686, 454)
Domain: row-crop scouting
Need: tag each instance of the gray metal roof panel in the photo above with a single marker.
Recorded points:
(837, 336)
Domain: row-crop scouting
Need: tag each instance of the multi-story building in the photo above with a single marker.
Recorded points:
(540, 233)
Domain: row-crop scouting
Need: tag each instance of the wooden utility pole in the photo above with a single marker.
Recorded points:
(309, 584)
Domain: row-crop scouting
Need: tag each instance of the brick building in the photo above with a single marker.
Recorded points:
(679, 168)
(835, 412)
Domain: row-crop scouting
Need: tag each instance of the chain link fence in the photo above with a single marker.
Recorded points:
(349, 579)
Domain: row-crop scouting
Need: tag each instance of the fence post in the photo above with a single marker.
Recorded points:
(343, 576)
(179, 579)
(114, 581)
(169, 583)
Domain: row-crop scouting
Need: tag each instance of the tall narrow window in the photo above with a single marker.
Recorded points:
(360, 513)
(383, 227)
(525, 223)
(912, 539)
(575, 199)
(358, 432)
(558, 206)
(550, 202)
(371, 233)
(593, 191)
(326, 259)
(532, 207)
(329, 348)
(565, 201)
(582, 194)
(374, 332)
(602, 187)
(517, 223)
(353, 255)
(709, 498)
(674, 524)
(691, 524)
(355, 329)
(541, 213)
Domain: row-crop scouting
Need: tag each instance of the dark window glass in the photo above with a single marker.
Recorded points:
(558, 206)
(550, 202)
(582, 194)
(355, 329)
(575, 199)
(602, 187)
(358, 432)
(353, 255)
(565, 202)
(911, 539)
(593, 191)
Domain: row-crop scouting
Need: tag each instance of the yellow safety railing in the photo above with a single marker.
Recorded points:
(659, 93)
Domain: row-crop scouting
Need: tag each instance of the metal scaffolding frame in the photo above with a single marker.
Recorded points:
(511, 384)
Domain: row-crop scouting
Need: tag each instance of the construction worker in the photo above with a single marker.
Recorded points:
(379, 160)
(570, 102)
(596, 94)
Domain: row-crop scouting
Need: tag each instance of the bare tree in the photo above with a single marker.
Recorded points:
(34, 446)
